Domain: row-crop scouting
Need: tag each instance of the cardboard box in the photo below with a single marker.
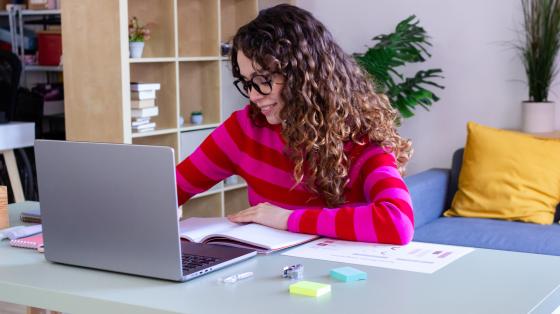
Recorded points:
(3, 4)
(41, 4)
(4, 217)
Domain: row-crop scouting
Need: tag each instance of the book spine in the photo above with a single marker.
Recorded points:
(144, 86)
(34, 220)
(143, 95)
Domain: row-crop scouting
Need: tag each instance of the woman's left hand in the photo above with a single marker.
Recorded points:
(264, 214)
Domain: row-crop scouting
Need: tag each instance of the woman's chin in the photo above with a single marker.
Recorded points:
(273, 120)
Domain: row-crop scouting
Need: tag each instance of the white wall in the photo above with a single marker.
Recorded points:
(472, 43)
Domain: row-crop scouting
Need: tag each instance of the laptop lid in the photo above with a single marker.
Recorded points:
(110, 206)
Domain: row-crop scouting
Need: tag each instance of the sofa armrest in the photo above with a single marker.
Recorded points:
(428, 190)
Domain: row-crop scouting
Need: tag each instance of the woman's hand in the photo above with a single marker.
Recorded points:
(264, 214)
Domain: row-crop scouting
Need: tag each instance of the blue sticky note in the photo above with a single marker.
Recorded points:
(348, 274)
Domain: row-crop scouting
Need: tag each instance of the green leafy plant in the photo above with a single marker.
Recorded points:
(407, 44)
(539, 47)
(137, 32)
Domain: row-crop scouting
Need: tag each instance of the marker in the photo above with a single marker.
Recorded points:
(237, 277)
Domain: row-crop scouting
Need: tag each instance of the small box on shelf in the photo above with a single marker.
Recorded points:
(42, 4)
(50, 47)
(3, 4)
(4, 217)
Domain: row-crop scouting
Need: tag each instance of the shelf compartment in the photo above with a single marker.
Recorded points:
(235, 201)
(198, 28)
(234, 14)
(213, 190)
(169, 140)
(158, 15)
(208, 206)
(200, 90)
(191, 140)
(232, 100)
(166, 97)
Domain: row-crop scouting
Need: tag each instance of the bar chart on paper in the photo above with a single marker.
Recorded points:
(415, 256)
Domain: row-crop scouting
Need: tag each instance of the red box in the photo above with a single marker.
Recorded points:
(5, 46)
(50, 48)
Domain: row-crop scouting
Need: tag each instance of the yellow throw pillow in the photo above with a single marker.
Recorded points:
(508, 175)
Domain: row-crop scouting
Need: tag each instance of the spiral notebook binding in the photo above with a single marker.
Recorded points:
(31, 242)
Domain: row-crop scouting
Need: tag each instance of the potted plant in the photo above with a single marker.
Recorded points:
(196, 117)
(407, 44)
(539, 49)
(137, 35)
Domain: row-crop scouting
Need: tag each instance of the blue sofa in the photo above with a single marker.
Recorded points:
(432, 192)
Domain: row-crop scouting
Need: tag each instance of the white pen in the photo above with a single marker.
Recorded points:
(236, 277)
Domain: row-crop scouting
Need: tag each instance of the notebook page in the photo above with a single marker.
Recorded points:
(266, 237)
(196, 228)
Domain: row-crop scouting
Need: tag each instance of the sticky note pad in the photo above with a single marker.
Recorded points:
(309, 288)
(347, 274)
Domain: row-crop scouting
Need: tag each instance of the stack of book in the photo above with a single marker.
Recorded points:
(143, 106)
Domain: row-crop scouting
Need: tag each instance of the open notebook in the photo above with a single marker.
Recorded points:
(254, 236)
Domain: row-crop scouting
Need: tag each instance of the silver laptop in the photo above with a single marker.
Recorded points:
(114, 207)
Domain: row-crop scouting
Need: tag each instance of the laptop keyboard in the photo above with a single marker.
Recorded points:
(191, 262)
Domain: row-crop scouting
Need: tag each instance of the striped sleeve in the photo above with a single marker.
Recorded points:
(386, 218)
(210, 163)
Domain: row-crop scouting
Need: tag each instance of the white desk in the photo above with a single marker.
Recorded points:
(15, 135)
(484, 281)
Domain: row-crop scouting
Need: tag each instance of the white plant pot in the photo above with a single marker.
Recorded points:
(197, 119)
(538, 117)
(136, 48)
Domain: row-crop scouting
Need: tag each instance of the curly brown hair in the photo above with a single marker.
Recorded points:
(328, 99)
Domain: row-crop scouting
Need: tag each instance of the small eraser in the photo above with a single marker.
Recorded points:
(348, 274)
(310, 288)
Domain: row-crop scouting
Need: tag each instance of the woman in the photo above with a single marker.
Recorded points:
(317, 147)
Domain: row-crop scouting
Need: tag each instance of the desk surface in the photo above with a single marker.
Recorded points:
(484, 281)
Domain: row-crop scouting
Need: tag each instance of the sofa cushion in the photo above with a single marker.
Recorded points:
(492, 234)
(508, 175)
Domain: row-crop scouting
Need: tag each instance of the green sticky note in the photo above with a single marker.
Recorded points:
(309, 288)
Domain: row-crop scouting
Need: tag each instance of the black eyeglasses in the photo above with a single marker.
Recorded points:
(261, 83)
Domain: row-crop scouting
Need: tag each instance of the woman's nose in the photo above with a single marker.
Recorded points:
(254, 96)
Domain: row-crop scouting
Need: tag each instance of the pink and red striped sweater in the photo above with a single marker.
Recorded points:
(378, 206)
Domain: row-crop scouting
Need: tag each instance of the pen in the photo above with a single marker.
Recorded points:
(236, 277)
